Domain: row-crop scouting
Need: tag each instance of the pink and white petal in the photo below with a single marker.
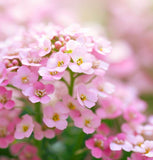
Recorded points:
(10, 104)
(61, 124)
(96, 152)
(115, 147)
(45, 99)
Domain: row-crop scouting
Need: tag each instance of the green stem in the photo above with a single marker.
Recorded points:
(38, 112)
(72, 79)
(38, 118)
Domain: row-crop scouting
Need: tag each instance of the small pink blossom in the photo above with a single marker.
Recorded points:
(24, 151)
(88, 121)
(131, 114)
(111, 107)
(86, 97)
(102, 47)
(5, 98)
(24, 78)
(41, 131)
(24, 128)
(56, 116)
(6, 132)
(82, 61)
(145, 148)
(73, 105)
(119, 142)
(97, 144)
(39, 92)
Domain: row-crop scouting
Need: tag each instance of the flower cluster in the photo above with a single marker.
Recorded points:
(60, 73)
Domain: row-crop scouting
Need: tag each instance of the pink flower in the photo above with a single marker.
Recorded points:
(119, 142)
(50, 74)
(24, 151)
(5, 98)
(56, 116)
(138, 156)
(44, 44)
(86, 97)
(131, 114)
(29, 152)
(97, 144)
(102, 87)
(41, 131)
(103, 129)
(88, 121)
(6, 132)
(39, 92)
(73, 106)
(24, 78)
(24, 128)
(58, 61)
(102, 47)
(31, 57)
(146, 148)
(111, 107)
(82, 61)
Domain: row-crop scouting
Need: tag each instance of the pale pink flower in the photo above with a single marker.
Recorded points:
(39, 92)
(86, 97)
(88, 121)
(119, 142)
(102, 87)
(58, 61)
(24, 128)
(44, 46)
(6, 132)
(145, 148)
(111, 107)
(73, 106)
(31, 57)
(131, 114)
(5, 99)
(50, 74)
(102, 47)
(98, 143)
(82, 61)
(24, 151)
(24, 78)
(29, 152)
(56, 116)
(103, 129)
(138, 156)
(41, 131)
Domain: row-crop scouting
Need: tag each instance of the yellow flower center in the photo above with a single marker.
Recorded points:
(25, 79)
(2, 131)
(99, 144)
(101, 49)
(71, 106)
(40, 93)
(87, 123)
(147, 150)
(83, 97)
(3, 99)
(25, 128)
(79, 61)
(56, 117)
(53, 73)
(60, 63)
